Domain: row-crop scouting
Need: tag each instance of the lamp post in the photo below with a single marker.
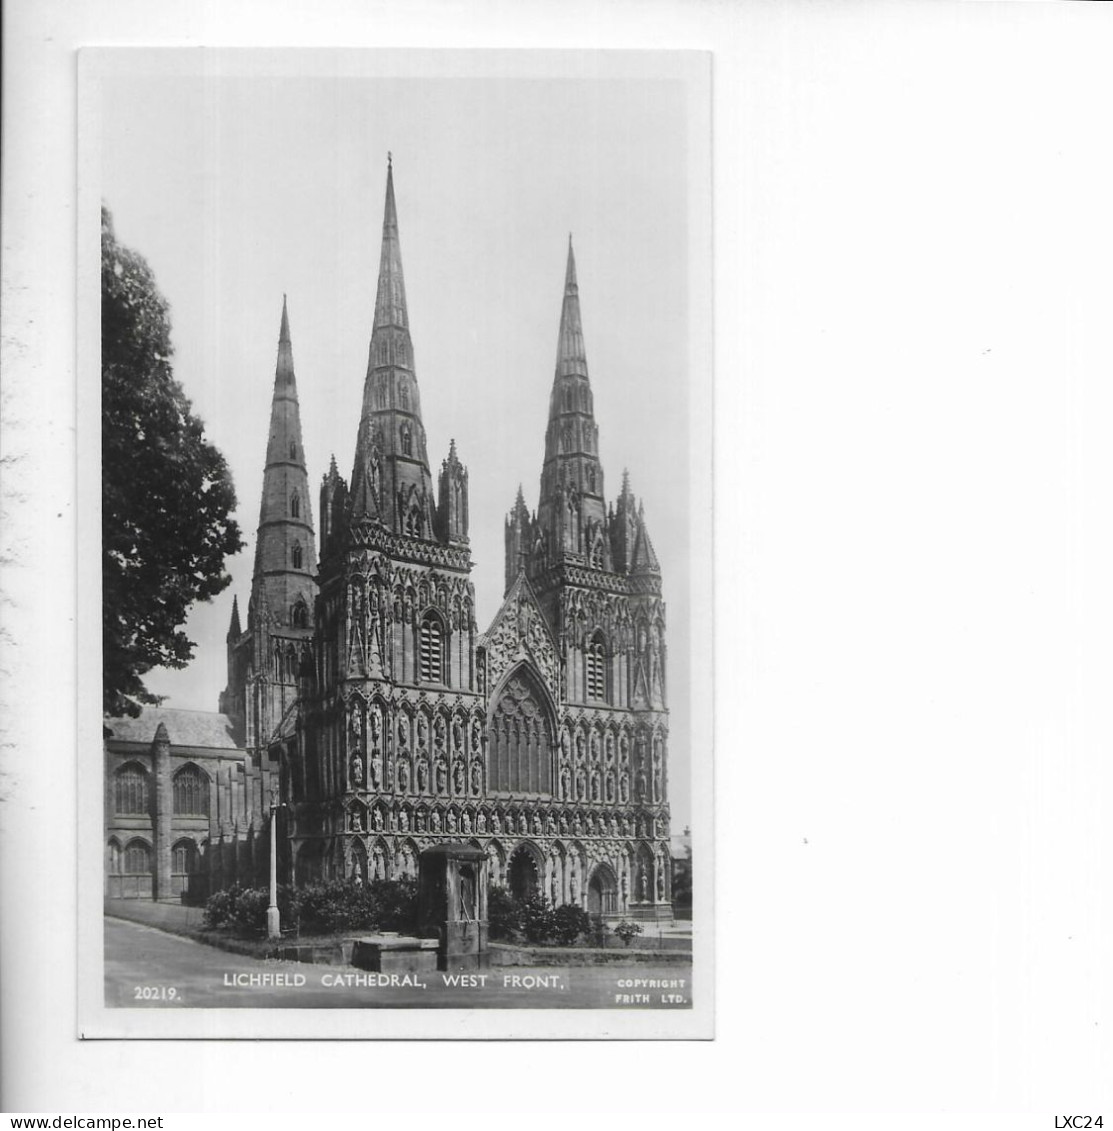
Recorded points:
(274, 925)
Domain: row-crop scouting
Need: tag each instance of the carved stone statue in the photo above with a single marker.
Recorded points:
(458, 777)
(476, 777)
(403, 775)
(356, 771)
(450, 821)
(403, 733)
(442, 775)
(435, 821)
(422, 774)
(565, 784)
(404, 821)
(660, 884)
(355, 821)
(481, 823)
(422, 730)
(457, 734)
(624, 787)
(377, 818)
(376, 766)
(475, 734)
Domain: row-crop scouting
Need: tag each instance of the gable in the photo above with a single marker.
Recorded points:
(518, 633)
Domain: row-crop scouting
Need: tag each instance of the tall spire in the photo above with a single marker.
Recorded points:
(285, 556)
(571, 355)
(570, 511)
(391, 481)
(390, 301)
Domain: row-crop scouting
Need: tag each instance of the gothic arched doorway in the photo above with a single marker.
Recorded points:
(602, 892)
(522, 874)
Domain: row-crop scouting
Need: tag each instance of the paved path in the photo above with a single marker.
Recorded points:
(148, 968)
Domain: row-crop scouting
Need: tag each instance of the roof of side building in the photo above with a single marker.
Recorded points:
(185, 728)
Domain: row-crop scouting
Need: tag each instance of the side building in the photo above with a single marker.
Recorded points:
(184, 807)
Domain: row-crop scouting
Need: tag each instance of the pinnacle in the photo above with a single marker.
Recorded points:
(284, 331)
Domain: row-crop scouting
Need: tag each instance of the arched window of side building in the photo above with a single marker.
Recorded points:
(191, 792)
(132, 791)
(295, 505)
(295, 555)
(137, 858)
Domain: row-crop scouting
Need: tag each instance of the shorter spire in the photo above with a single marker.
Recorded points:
(234, 630)
(284, 331)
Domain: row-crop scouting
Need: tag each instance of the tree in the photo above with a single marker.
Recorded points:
(166, 493)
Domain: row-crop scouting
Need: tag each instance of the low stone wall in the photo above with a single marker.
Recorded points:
(502, 954)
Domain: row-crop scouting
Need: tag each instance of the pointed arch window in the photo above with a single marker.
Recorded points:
(407, 440)
(295, 555)
(132, 790)
(293, 450)
(191, 792)
(137, 858)
(431, 647)
(404, 394)
(301, 615)
(295, 505)
(185, 852)
(595, 668)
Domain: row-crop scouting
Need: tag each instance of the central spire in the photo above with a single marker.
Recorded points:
(571, 355)
(390, 301)
(391, 481)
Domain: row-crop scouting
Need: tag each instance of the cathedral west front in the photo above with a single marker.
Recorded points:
(363, 696)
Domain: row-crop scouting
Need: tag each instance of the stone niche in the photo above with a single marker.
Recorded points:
(452, 902)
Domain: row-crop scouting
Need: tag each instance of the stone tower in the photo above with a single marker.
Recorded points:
(593, 575)
(264, 658)
(389, 749)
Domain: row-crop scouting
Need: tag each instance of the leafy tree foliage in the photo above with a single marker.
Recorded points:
(167, 495)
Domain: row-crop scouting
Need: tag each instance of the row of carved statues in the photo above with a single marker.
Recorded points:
(481, 822)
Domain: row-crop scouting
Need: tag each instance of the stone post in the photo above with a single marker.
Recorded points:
(163, 810)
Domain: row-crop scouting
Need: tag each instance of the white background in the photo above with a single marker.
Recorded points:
(914, 365)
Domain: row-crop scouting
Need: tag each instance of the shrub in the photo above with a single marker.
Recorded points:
(339, 905)
(395, 902)
(628, 931)
(244, 910)
(537, 918)
(569, 923)
(504, 913)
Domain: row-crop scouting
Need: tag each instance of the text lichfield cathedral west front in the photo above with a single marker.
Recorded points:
(362, 695)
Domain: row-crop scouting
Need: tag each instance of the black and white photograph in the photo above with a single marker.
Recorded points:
(404, 467)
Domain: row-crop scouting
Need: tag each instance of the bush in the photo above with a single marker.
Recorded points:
(628, 931)
(504, 914)
(244, 910)
(396, 905)
(569, 923)
(534, 920)
(339, 905)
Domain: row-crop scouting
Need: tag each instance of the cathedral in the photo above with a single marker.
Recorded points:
(362, 694)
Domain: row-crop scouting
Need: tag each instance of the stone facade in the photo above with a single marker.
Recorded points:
(361, 681)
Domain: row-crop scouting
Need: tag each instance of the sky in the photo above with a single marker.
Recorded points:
(243, 178)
